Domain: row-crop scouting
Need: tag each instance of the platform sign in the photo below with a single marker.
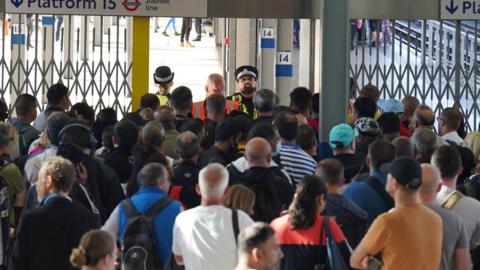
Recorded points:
(460, 9)
(154, 8)
(284, 67)
(267, 36)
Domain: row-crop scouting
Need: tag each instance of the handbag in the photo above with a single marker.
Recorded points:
(334, 256)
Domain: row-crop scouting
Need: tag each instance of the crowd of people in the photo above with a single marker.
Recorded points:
(237, 182)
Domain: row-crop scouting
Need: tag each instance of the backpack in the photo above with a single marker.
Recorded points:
(267, 200)
(139, 241)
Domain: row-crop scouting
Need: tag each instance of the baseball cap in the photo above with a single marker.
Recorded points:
(407, 172)
(367, 126)
(246, 71)
(390, 105)
(342, 135)
(163, 75)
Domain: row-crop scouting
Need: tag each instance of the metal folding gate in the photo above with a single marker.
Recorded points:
(433, 60)
(90, 55)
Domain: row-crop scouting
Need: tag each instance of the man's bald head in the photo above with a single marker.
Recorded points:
(258, 151)
(215, 85)
(424, 116)
(430, 179)
(213, 181)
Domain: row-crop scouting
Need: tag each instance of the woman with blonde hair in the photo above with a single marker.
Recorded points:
(96, 251)
(240, 197)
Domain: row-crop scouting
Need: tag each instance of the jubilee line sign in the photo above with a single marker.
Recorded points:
(154, 8)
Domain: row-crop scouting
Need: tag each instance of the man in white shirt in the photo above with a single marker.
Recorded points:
(204, 237)
(448, 161)
(448, 123)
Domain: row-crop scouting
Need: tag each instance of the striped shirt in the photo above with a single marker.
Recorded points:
(296, 161)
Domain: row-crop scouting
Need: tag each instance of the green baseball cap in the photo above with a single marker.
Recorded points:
(342, 136)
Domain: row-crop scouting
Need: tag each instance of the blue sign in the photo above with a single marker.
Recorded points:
(460, 9)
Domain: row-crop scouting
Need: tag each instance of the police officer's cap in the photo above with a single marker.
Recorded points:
(163, 75)
(246, 71)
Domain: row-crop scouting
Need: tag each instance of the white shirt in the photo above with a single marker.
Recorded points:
(453, 137)
(468, 209)
(204, 237)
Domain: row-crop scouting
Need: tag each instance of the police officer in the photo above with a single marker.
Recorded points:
(246, 77)
(163, 78)
(215, 85)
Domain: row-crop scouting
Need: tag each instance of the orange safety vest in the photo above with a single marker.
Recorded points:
(199, 109)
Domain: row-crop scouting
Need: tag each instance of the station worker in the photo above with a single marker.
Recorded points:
(215, 86)
(246, 77)
(163, 78)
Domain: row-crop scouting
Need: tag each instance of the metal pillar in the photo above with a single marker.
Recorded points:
(334, 61)
(219, 30)
(305, 58)
(84, 38)
(230, 55)
(68, 36)
(284, 66)
(107, 23)
(48, 23)
(19, 50)
(246, 42)
(140, 59)
(267, 53)
(97, 25)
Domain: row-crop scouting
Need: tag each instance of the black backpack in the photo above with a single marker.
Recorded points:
(139, 242)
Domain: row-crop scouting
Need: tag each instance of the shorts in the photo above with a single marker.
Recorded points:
(374, 25)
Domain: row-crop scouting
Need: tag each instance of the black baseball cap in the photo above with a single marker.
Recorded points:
(407, 172)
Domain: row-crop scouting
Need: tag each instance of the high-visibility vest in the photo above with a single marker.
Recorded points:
(164, 99)
(242, 107)
(199, 109)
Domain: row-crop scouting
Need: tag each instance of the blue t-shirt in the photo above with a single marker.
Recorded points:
(367, 198)
(163, 222)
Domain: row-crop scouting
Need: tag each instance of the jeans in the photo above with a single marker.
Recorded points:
(172, 22)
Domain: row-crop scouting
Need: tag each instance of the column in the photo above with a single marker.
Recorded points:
(246, 42)
(305, 56)
(68, 37)
(230, 55)
(140, 59)
(84, 38)
(97, 25)
(48, 51)
(19, 38)
(267, 54)
(334, 59)
(284, 66)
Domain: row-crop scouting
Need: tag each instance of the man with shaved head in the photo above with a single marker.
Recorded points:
(215, 86)
(272, 188)
(455, 254)
(204, 237)
(425, 117)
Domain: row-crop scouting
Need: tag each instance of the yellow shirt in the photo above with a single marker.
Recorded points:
(407, 238)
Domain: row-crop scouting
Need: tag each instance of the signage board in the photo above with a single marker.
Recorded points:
(460, 9)
(152, 8)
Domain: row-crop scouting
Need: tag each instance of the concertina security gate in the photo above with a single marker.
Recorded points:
(95, 67)
(435, 61)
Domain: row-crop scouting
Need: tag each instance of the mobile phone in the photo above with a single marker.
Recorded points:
(374, 263)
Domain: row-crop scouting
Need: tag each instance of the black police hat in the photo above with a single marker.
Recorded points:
(246, 71)
(163, 75)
